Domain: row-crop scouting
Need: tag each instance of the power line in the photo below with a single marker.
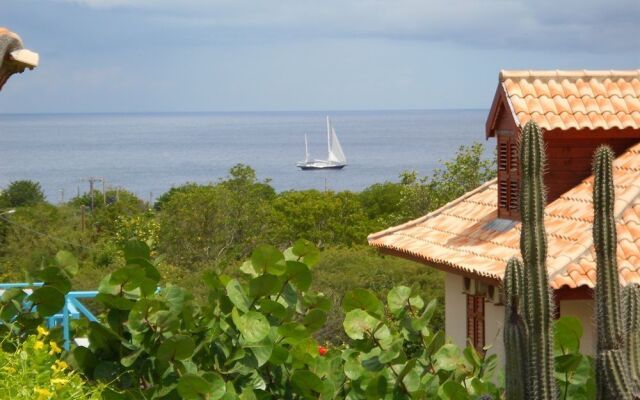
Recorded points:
(43, 234)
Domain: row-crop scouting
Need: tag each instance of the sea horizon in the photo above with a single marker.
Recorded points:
(147, 153)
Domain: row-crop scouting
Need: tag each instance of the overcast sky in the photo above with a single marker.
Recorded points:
(261, 55)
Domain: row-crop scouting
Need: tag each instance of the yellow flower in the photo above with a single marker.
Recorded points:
(39, 345)
(43, 393)
(42, 331)
(59, 382)
(59, 366)
(9, 369)
(54, 348)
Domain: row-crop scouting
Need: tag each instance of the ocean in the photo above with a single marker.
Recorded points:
(147, 154)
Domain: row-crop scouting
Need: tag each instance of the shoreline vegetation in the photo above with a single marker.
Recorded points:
(196, 228)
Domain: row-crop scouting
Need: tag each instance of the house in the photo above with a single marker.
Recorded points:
(472, 237)
(14, 58)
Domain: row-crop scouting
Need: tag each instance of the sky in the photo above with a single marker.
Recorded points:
(279, 55)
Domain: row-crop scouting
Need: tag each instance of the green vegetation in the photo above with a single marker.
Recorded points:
(34, 371)
(21, 193)
(214, 226)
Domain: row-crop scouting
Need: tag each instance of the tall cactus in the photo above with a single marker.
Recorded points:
(631, 310)
(538, 303)
(515, 333)
(612, 374)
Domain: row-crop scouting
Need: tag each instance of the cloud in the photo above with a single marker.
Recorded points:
(590, 25)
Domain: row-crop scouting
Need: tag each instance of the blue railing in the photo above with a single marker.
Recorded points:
(72, 309)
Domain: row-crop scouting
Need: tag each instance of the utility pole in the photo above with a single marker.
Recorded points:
(92, 180)
(82, 212)
(150, 198)
(61, 196)
(104, 192)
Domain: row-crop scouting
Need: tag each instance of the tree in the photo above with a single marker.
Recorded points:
(210, 225)
(324, 218)
(22, 193)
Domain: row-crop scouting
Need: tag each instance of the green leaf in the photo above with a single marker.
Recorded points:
(113, 301)
(54, 276)
(358, 322)
(266, 258)
(49, 300)
(253, 326)
(315, 319)
(397, 298)
(136, 249)
(261, 350)
(567, 334)
(299, 274)
(179, 347)
(306, 381)
(449, 358)
(452, 390)
(264, 285)
(363, 299)
(238, 297)
(377, 388)
(67, 261)
(307, 251)
(192, 386)
(293, 332)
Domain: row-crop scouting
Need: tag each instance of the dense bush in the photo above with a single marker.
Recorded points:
(21, 193)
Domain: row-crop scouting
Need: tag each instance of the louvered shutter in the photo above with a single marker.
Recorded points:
(475, 321)
(508, 176)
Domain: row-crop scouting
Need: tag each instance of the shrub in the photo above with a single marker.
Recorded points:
(35, 371)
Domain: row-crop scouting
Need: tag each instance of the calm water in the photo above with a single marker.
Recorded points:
(149, 153)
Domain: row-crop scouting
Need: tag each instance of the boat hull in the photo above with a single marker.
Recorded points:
(317, 167)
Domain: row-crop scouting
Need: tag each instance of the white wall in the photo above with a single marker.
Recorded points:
(456, 316)
(583, 309)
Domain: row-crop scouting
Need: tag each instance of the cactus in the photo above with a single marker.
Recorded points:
(612, 372)
(515, 333)
(538, 304)
(631, 310)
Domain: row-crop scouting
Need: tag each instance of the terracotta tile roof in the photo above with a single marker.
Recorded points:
(574, 99)
(466, 236)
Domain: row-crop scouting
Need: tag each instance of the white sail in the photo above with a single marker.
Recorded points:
(307, 157)
(335, 150)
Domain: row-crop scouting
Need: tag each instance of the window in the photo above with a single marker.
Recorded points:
(475, 321)
(508, 176)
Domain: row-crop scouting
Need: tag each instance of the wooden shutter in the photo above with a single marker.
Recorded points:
(475, 321)
(508, 176)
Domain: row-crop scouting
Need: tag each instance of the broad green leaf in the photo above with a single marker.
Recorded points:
(449, 358)
(358, 322)
(397, 298)
(314, 319)
(266, 258)
(116, 302)
(179, 347)
(293, 332)
(253, 326)
(238, 297)
(567, 334)
(54, 276)
(191, 386)
(307, 251)
(306, 381)
(363, 299)
(136, 249)
(299, 274)
(67, 261)
(49, 300)
(452, 390)
(264, 285)
(377, 388)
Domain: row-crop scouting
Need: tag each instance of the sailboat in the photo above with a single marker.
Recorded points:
(335, 158)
